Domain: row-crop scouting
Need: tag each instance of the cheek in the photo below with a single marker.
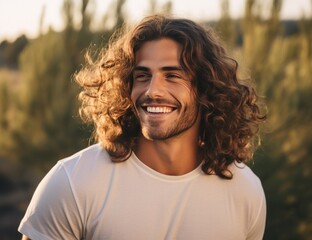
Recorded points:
(186, 92)
(134, 98)
(183, 87)
(134, 95)
(137, 91)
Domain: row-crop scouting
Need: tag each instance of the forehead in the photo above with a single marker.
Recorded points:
(164, 51)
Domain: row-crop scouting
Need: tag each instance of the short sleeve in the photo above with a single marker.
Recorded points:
(53, 212)
(256, 230)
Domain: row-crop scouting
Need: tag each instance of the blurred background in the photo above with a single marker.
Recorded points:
(42, 44)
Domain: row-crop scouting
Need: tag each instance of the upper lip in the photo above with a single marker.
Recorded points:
(156, 103)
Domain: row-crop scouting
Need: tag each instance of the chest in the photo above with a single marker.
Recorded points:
(132, 208)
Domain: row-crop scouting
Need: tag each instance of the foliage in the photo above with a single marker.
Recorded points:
(9, 52)
(39, 120)
(45, 125)
(47, 102)
(280, 62)
(282, 68)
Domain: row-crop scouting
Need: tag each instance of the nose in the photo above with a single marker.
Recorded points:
(155, 87)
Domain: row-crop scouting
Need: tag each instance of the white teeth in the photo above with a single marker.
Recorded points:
(159, 109)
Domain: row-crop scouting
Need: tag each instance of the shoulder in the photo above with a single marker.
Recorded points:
(75, 172)
(86, 168)
(244, 185)
(247, 187)
(92, 156)
(75, 176)
(243, 176)
(60, 193)
(248, 190)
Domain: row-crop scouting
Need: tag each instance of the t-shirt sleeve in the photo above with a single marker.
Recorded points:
(53, 212)
(256, 230)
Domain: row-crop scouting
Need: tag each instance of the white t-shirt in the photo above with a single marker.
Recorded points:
(87, 196)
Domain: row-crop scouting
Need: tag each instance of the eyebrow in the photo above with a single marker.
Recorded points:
(166, 68)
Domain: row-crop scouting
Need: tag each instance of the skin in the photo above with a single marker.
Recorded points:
(169, 139)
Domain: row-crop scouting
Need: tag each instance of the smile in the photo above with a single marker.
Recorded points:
(158, 109)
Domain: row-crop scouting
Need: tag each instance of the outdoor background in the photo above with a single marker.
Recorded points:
(39, 120)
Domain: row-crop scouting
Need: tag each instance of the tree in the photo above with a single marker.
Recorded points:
(282, 69)
(226, 26)
(11, 51)
(46, 124)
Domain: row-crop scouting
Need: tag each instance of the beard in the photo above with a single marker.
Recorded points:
(158, 130)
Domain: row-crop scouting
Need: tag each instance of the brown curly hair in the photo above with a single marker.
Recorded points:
(230, 116)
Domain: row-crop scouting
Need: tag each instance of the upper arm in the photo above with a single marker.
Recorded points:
(53, 212)
(257, 229)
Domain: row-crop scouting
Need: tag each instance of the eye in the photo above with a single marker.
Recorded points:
(141, 76)
(172, 76)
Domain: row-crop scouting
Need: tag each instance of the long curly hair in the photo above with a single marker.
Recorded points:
(230, 109)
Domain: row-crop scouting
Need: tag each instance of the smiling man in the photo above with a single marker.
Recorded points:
(175, 127)
(166, 106)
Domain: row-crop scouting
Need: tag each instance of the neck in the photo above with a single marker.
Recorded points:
(175, 156)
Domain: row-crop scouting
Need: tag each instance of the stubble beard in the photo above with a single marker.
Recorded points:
(186, 120)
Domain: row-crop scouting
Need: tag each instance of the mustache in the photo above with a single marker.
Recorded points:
(157, 101)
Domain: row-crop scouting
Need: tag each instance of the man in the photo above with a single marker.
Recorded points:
(175, 126)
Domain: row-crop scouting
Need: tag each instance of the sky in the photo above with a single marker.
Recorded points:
(22, 16)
